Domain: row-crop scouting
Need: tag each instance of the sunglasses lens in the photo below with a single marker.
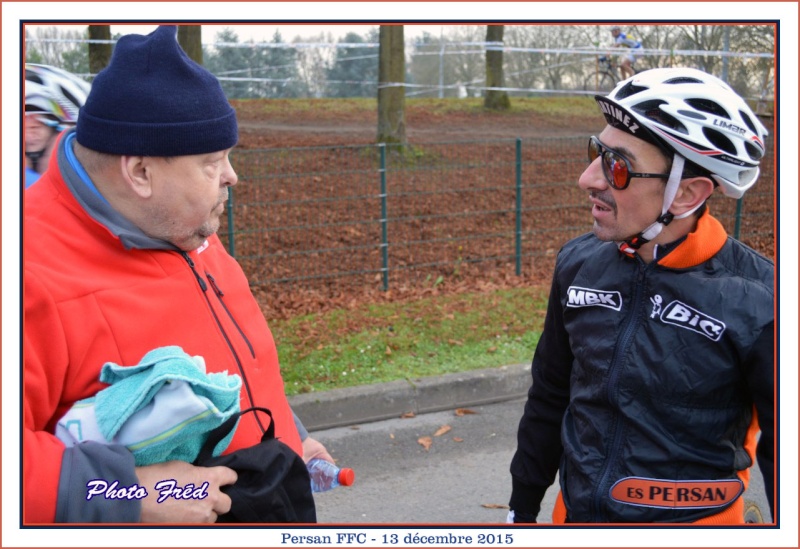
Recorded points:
(619, 171)
(615, 167)
(594, 151)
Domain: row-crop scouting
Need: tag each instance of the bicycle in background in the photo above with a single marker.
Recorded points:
(604, 78)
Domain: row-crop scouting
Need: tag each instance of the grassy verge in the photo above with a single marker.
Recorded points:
(382, 342)
(549, 106)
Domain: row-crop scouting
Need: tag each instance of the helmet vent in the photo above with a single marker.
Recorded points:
(683, 80)
(627, 90)
(652, 111)
(720, 141)
(33, 77)
(711, 107)
(69, 96)
(755, 152)
(749, 122)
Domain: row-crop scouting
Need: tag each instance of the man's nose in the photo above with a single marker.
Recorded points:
(229, 176)
(592, 177)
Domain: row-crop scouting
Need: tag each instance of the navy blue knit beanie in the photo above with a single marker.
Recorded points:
(153, 100)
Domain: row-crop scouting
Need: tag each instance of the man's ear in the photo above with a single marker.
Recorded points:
(692, 193)
(137, 175)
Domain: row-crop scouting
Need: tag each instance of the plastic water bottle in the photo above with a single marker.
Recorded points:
(326, 476)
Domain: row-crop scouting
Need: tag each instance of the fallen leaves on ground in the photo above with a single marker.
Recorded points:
(458, 439)
(442, 430)
(464, 411)
(425, 442)
(408, 415)
(494, 506)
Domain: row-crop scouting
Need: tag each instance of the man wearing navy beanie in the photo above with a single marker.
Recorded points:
(121, 257)
(153, 100)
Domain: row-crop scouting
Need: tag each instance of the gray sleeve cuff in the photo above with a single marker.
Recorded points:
(111, 466)
(300, 427)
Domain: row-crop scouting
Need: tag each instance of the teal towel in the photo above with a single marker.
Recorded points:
(161, 409)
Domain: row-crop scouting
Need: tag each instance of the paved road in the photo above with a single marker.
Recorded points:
(464, 471)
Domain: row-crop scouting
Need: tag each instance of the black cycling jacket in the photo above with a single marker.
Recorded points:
(645, 381)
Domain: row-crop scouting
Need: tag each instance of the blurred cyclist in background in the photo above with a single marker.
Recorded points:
(52, 99)
(627, 59)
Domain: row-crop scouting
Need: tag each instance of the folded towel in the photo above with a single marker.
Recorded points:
(161, 409)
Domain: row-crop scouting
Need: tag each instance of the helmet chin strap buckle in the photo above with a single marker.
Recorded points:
(632, 244)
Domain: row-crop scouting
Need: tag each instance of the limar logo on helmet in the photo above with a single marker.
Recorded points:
(728, 126)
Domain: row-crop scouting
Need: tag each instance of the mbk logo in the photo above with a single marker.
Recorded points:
(682, 315)
(585, 297)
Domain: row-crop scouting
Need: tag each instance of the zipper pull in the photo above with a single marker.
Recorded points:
(200, 280)
(214, 285)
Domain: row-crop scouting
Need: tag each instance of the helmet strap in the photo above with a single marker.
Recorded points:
(34, 157)
(630, 245)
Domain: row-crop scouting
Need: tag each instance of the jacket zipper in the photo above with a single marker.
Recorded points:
(204, 287)
(611, 393)
(219, 293)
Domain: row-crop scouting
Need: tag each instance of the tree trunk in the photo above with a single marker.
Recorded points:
(189, 39)
(391, 92)
(495, 99)
(99, 54)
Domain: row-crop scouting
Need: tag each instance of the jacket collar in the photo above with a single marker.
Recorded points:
(697, 247)
(84, 191)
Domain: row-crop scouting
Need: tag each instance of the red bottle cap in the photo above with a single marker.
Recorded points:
(346, 476)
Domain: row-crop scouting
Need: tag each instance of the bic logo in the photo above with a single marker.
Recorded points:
(585, 297)
(682, 315)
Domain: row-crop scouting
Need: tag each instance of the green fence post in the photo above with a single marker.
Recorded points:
(738, 224)
(384, 228)
(518, 236)
(231, 239)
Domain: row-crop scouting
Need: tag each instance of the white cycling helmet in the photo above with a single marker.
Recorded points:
(699, 117)
(54, 95)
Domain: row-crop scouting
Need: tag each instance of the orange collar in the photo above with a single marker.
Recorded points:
(699, 246)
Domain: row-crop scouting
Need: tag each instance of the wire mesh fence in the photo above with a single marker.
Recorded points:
(375, 216)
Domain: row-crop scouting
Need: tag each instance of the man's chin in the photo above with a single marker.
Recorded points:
(196, 240)
(208, 231)
(602, 234)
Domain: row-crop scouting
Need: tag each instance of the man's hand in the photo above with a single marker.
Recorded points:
(185, 510)
(313, 448)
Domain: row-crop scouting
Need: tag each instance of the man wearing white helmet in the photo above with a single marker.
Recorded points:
(655, 369)
(52, 99)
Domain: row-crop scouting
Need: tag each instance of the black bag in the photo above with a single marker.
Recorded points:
(273, 484)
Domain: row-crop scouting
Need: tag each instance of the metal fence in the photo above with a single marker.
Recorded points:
(381, 217)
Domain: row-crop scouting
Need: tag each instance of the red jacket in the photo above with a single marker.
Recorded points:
(89, 300)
